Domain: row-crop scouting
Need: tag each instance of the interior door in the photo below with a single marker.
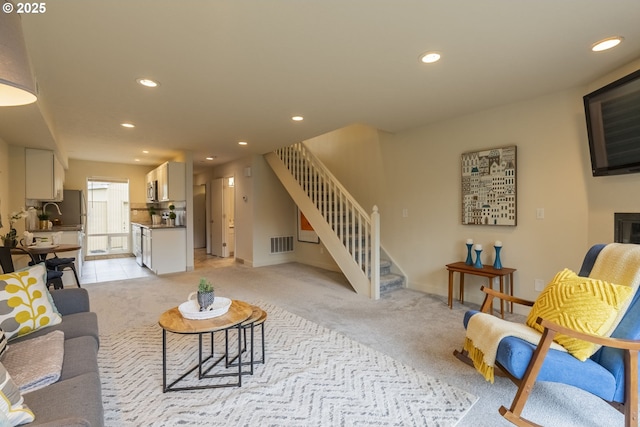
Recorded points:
(199, 217)
(217, 217)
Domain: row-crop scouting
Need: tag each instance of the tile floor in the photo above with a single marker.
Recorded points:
(105, 270)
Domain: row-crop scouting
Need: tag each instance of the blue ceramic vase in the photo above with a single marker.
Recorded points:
(469, 260)
(478, 263)
(497, 264)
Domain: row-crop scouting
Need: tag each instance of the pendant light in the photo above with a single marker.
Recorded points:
(16, 82)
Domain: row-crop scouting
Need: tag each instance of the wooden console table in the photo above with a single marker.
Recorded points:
(485, 271)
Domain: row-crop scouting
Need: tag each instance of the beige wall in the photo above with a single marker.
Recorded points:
(352, 162)
(12, 183)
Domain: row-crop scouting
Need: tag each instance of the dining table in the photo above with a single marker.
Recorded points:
(39, 253)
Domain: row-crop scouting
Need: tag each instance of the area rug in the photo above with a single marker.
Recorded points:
(312, 376)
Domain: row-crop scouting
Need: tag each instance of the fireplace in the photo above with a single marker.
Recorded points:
(627, 227)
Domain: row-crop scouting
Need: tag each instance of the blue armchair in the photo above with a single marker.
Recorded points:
(611, 373)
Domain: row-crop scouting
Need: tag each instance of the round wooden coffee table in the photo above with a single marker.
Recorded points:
(173, 321)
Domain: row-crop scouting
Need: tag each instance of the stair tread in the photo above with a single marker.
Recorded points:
(391, 277)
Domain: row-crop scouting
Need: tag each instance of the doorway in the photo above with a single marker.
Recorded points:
(199, 216)
(108, 226)
(223, 217)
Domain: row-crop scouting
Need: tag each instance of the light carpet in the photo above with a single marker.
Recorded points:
(313, 376)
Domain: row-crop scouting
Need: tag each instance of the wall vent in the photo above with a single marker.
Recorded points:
(281, 244)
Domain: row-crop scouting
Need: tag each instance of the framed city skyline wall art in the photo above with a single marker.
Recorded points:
(489, 187)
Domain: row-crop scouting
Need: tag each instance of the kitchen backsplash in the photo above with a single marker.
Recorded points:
(140, 211)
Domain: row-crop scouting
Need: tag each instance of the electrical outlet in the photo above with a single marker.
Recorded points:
(540, 213)
(538, 285)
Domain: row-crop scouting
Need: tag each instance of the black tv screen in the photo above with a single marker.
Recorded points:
(613, 126)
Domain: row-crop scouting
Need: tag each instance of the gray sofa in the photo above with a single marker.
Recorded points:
(76, 398)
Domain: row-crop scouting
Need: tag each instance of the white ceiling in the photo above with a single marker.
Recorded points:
(239, 69)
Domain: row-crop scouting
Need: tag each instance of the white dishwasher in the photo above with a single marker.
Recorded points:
(146, 247)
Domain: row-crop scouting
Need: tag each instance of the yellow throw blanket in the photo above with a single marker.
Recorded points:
(484, 333)
(620, 264)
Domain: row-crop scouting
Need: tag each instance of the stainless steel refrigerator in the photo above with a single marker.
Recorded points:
(73, 208)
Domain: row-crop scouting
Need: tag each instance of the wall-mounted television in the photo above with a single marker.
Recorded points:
(613, 126)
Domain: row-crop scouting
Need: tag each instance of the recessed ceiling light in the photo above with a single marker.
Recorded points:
(297, 118)
(145, 151)
(136, 160)
(605, 44)
(147, 82)
(127, 125)
(210, 157)
(242, 143)
(430, 57)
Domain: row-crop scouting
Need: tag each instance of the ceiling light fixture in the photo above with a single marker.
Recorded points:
(210, 157)
(147, 82)
(127, 125)
(606, 44)
(297, 118)
(430, 57)
(145, 151)
(16, 83)
(242, 143)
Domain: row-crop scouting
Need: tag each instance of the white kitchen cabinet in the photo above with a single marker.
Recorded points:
(68, 238)
(171, 181)
(164, 250)
(44, 178)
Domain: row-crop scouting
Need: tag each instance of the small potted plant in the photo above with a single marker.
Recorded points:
(44, 221)
(172, 215)
(205, 294)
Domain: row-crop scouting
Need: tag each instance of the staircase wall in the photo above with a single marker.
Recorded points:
(363, 178)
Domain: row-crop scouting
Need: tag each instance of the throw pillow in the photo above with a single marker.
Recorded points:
(24, 304)
(582, 304)
(12, 404)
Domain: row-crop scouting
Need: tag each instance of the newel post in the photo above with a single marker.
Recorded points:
(375, 253)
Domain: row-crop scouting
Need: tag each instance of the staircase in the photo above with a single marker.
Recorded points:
(350, 234)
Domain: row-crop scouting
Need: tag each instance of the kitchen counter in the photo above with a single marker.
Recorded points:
(160, 248)
(59, 228)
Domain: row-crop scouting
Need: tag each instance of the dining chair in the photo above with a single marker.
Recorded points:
(59, 264)
(54, 278)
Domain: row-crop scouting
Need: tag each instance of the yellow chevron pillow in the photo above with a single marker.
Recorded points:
(582, 304)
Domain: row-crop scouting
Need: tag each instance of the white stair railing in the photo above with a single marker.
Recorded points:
(358, 231)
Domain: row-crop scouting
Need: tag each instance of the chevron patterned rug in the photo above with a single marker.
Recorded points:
(312, 376)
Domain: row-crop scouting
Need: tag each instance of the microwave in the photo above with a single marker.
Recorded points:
(152, 191)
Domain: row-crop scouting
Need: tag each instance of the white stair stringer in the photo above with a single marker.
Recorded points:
(361, 282)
